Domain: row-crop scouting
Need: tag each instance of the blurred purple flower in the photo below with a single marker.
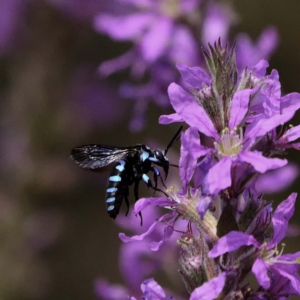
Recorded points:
(94, 103)
(160, 41)
(218, 20)
(275, 181)
(12, 13)
(83, 10)
(249, 54)
(139, 253)
(42, 229)
(107, 291)
(152, 26)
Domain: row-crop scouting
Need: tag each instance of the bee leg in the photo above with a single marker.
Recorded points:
(149, 184)
(126, 200)
(136, 196)
(157, 174)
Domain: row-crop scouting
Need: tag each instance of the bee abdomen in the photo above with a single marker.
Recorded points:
(117, 189)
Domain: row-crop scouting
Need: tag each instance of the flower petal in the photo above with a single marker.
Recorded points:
(155, 41)
(260, 270)
(168, 231)
(195, 76)
(135, 254)
(218, 177)
(211, 289)
(216, 23)
(140, 237)
(202, 169)
(203, 205)
(132, 25)
(281, 217)
(231, 242)
(190, 151)
(168, 119)
(272, 92)
(183, 45)
(290, 102)
(240, 106)
(284, 177)
(260, 162)
(260, 68)
(192, 113)
(293, 277)
(263, 126)
(290, 135)
(106, 290)
(152, 290)
(153, 201)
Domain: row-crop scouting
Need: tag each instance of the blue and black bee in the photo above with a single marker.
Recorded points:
(132, 165)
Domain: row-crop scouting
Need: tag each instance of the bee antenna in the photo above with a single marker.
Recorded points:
(174, 139)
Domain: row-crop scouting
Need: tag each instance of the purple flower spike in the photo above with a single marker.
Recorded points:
(222, 227)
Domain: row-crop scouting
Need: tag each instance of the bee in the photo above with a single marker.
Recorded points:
(132, 164)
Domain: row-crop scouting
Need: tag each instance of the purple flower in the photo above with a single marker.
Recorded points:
(269, 263)
(153, 27)
(160, 41)
(231, 145)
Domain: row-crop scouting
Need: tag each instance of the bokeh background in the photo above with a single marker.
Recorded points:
(56, 238)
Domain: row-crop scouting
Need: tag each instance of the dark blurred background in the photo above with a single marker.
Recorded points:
(56, 236)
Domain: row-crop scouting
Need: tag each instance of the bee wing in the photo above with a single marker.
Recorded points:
(98, 156)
